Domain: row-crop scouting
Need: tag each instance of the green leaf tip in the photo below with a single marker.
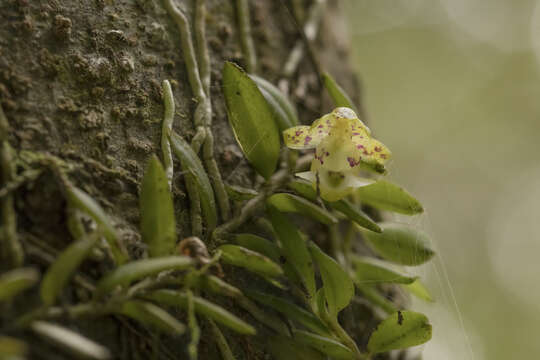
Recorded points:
(70, 341)
(251, 119)
(158, 225)
(63, 268)
(400, 330)
(151, 315)
(326, 345)
(400, 244)
(286, 202)
(370, 271)
(337, 93)
(202, 307)
(285, 112)
(250, 260)
(337, 284)
(385, 195)
(16, 281)
(295, 249)
(84, 202)
(193, 166)
(135, 270)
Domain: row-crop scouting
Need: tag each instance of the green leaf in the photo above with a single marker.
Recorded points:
(355, 214)
(384, 195)
(400, 244)
(400, 330)
(221, 341)
(291, 311)
(373, 296)
(203, 307)
(16, 281)
(269, 249)
(70, 341)
(280, 116)
(337, 93)
(284, 348)
(338, 286)
(305, 189)
(82, 201)
(285, 202)
(63, 268)
(158, 226)
(258, 244)
(191, 164)
(328, 346)
(251, 119)
(288, 117)
(239, 193)
(135, 270)
(250, 260)
(371, 271)
(294, 249)
(418, 289)
(12, 348)
(151, 315)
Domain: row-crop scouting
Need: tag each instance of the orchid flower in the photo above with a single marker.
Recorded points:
(344, 149)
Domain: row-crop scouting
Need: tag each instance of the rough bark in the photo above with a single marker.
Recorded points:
(80, 81)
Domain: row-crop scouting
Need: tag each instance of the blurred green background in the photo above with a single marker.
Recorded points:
(453, 88)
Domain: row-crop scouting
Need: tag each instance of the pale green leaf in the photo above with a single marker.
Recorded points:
(400, 330)
(83, 202)
(16, 281)
(295, 249)
(375, 297)
(351, 211)
(251, 120)
(63, 268)
(400, 244)
(284, 348)
(371, 271)
(387, 196)
(279, 101)
(202, 307)
(418, 289)
(135, 270)
(12, 348)
(291, 311)
(250, 260)
(338, 286)
(191, 164)
(158, 225)
(151, 315)
(239, 193)
(258, 244)
(70, 341)
(286, 202)
(326, 345)
(340, 97)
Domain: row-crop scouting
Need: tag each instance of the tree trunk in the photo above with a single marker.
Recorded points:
(80, 86)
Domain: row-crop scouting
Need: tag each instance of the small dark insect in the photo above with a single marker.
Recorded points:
(399, 318)
(282, 259)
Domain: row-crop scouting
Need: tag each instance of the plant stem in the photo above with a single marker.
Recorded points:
(309, 32)
(223, 345)
(168, 117)
(246, 39)
(277, 180)
(199, 79)
(12, 251)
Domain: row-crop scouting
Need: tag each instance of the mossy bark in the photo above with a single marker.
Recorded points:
(80, 81)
